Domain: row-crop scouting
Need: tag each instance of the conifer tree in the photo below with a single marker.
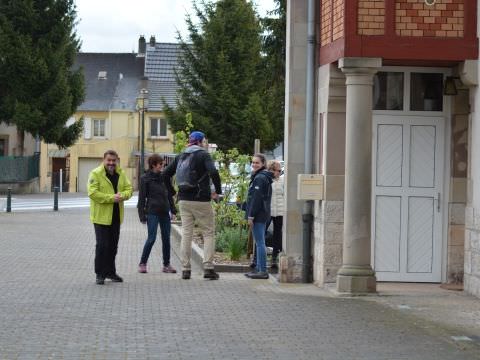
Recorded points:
(220, 76)
(273, 68)
(39, 91)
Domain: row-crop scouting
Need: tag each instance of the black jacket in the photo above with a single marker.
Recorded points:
(155, 195)
(259, 196)
(203, 164)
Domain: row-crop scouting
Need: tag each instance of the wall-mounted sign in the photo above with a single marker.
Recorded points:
(310, 187)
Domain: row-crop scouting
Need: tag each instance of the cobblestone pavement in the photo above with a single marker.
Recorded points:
(50, 307)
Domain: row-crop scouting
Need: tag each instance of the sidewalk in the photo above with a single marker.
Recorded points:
(50, 307)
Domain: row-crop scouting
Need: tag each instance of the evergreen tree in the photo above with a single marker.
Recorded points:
(274, 50)
(220, 76)
(39, 91)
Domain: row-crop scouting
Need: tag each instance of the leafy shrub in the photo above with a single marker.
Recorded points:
(232, 240)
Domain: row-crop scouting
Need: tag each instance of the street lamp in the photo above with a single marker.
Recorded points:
(143, 104)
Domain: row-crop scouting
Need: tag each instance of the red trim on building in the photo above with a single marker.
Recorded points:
(433, 51)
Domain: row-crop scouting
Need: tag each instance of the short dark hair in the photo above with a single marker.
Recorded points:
(110, 152)
(154, 160)
(262, 158)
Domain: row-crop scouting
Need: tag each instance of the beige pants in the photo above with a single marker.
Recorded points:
(202, 213)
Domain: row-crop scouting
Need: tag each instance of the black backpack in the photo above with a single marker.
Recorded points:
(186, 175)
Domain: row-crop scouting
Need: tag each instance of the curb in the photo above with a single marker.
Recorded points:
(197, 254)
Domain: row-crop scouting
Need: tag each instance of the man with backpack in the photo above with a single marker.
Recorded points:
(193, 169)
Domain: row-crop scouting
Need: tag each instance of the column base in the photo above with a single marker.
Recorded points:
(356, 280)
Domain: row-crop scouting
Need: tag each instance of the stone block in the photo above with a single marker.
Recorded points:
(356, 285)
(469, 217)
(330, 273)
(467, 265)
(456, 213)
(332, 255)
(456, 235)
(333, 233)
(475, 259)
(334, 187)
(290, 268)
(471, 285)
(333, 211)
(458, 190)
(474, 243)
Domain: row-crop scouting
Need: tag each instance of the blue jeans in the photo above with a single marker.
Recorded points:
(152, 224)
(261, 251)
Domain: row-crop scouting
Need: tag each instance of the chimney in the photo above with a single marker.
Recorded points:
(152, 41)
(142, 45)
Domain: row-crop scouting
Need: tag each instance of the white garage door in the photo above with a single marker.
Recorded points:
(85, 165)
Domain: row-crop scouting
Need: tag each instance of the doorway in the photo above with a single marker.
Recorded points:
(409, 124)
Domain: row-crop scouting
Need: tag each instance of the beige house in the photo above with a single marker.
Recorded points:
(122, 92)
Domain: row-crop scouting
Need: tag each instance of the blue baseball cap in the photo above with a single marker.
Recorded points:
(196, 136)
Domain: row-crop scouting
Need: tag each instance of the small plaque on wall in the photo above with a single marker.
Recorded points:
(310, 187)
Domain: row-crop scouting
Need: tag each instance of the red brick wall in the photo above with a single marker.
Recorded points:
(332, 14)
(443, 19)
(326, 22)
(338, 19)
(371, 17)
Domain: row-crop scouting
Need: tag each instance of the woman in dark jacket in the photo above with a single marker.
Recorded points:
(258, 211)
(156, 206)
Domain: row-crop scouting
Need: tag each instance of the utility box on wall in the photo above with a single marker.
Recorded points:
(310, 187)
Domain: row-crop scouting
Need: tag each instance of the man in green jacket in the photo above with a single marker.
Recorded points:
(108, 188)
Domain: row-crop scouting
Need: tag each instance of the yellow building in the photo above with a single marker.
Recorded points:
(122, 91)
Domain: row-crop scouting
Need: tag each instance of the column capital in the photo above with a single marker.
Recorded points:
(359, 62)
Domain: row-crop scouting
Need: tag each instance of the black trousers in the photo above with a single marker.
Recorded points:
(277, 235)
(106, 248)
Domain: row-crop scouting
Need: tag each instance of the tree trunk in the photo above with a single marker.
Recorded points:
(20, 142)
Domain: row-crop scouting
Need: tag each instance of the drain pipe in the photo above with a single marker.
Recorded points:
(307, 215)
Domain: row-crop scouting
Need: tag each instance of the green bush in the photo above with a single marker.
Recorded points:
(233, 241)
(236, 248)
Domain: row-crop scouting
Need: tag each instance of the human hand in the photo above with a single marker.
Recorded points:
(117, 197)
(173, 217)
(250, 222)
(214, 196)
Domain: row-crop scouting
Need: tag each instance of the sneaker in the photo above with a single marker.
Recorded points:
(100, 280)
(210, 274)
(169, 269)
(249, 274)
(142, 268)
(259, 275)
(114, 278)
(186, 274)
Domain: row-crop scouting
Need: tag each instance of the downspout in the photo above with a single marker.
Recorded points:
(307, 215)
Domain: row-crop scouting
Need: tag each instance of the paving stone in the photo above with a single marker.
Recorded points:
(50, 307)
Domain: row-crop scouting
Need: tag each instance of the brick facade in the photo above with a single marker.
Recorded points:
(338, 19)
(371, 17)
(443, 19)
(332, 21)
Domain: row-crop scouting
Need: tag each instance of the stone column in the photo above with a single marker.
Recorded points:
(356, 275)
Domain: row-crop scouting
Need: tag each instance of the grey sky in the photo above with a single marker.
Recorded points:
(115, 25)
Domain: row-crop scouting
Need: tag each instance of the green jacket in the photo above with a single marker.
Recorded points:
(101, 194)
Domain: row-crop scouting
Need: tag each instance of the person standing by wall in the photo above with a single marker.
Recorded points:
(258, 212)
(276, 209)
(193, 169)
(156, 207)
(108, 188)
